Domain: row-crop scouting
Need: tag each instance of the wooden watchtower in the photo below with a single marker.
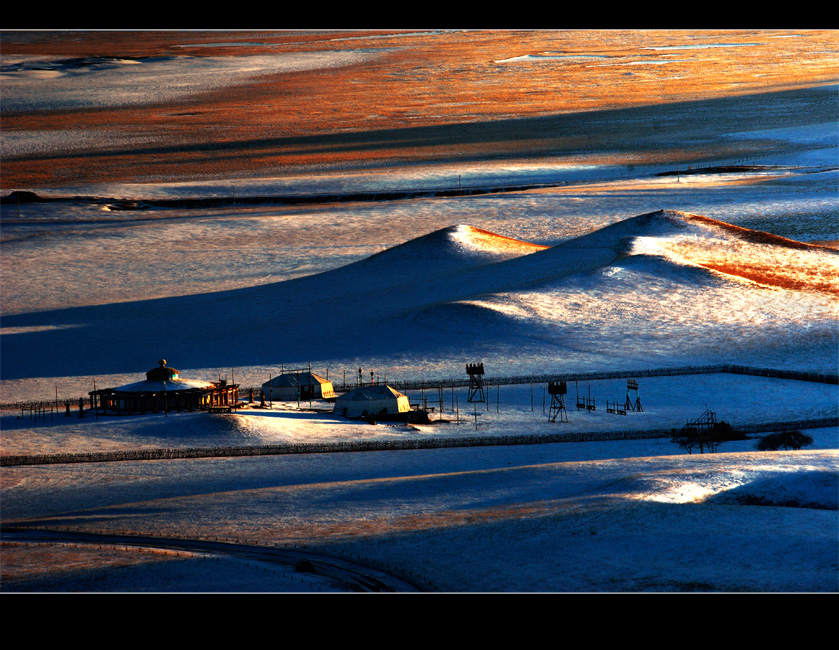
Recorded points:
(632, 386)
(557, 390)
(476, 382)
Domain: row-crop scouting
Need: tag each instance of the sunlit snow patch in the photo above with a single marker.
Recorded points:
(679, 492)
(748, 255)
(688, 485)
(770, 486)
(483, 240)
(553, 57)
(28, 329)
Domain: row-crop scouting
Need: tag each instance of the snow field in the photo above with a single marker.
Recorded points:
(463, 520)
(610, 516)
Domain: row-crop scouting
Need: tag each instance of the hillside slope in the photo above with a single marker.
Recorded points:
(666, 279)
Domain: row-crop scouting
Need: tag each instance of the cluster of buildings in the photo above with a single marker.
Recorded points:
(164, 390)
(363, 401)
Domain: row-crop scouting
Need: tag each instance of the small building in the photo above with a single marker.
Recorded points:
(164, 391)
(373, 400)
(292, 386)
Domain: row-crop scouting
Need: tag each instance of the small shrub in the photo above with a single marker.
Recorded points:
(784, 440)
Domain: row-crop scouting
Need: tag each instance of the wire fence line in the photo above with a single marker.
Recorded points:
(387, 445)
(488, 380)
(54, 405)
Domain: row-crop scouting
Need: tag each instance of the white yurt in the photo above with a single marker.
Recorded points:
(165, 390)
(371, 400)
(285, 387)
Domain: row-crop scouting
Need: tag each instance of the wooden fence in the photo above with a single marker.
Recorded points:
(386, 445)
(31, 406)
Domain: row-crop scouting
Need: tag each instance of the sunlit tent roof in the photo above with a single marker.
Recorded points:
(371, 400)
(285, 386)
(366, 393)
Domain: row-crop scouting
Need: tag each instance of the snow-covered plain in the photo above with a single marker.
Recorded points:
(586, 275)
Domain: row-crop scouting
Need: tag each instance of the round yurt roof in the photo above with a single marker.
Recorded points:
(162, 372)
(162, 378)
(160, 385)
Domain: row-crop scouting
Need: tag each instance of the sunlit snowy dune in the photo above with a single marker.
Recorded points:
(450, 249)
(689, 239)
(752, 255)
(660, 284)
(664, 287)
(462, 261)
(665, 246)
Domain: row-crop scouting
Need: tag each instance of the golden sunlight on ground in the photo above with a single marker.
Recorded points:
(425, 96)
(31, 560)
(489, 241)
(760, 257)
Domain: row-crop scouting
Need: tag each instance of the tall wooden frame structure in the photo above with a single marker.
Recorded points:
(632, 386)
(476, 382)
(557, 390)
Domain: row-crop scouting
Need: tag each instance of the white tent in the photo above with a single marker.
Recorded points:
(371, 400)
(285, 387)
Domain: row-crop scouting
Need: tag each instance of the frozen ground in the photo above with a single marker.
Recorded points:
(576, 517)
(566, 278)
